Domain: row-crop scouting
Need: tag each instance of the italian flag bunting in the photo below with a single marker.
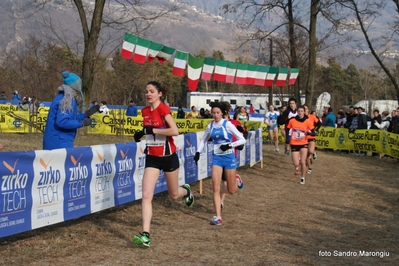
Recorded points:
(207, 69)
(153, 51)
(140, 53)
(260, 75)
(271, 75)
(251, 74)
(242, 72)
(220, 70)
(194, 71)
(165, 53)
(293, 76)
(179, 65)
(129, 42)
(282, 77)
(231, 72)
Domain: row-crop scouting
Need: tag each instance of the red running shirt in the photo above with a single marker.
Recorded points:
(158, 145)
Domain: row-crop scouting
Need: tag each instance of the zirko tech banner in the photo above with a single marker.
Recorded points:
(41, 188)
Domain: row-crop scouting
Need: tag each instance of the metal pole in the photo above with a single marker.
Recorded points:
(271, 64)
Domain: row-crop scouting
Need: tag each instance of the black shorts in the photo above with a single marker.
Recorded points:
(311, 140)
(295, 148)
(165, 163)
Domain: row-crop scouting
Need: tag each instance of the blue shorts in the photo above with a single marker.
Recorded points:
(227, 161)
(272, 127)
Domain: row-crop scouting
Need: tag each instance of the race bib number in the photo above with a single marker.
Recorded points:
(273, 122)
(155, 140)
(218, 151)
(298, 134)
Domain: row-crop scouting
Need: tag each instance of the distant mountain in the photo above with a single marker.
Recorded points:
(196, 26)
(190, 29)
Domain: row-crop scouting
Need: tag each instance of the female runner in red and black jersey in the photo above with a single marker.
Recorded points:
(159, 128)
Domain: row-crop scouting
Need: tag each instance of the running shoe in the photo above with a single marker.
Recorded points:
(309, 170)
(314, 156)
(296, 171)
(278, 150)
(240, 183)
(216, 220)
(142, 240)
(302, 181)
(188, 199)
(287, 152)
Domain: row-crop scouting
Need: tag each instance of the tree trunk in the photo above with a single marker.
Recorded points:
(293, 56)
(312, 53)
(90, 42)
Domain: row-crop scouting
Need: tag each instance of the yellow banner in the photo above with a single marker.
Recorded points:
(10, 124)
(369, 140)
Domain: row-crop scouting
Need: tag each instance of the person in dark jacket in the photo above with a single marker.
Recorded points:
(362, 124)
(180, 113)
(64, 117)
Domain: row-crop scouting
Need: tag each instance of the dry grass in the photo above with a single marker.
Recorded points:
(349, 203)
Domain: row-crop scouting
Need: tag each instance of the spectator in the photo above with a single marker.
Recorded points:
(3, 96)
(34, 106)
(24, 104)
(202, 112)
(94, 103)
(242, 114)
(330, 118)
(180, 113)
(63, 117)
(362, 123)
(252, 109)
(131, 109)
(349, 117)
(15, 96)
(385, 121)
(194, 113)
(374, 121)
(103, 108)
(208, 114)
(395, 121)
(341, 119)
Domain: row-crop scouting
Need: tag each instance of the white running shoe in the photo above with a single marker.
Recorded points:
(302, 181)
(309, 170)
(278, 150)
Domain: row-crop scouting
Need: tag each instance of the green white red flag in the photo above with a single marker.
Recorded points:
(153, 51)
(165, 53)
(231, 71)
(251, 74)
(220, 70)
(271, 75)
(179, 65)
(207, 69)
(260, 76)
(194, 70)
(141, 50)
(293, 76)
(282, 77)
(129, 42)
(242, 71)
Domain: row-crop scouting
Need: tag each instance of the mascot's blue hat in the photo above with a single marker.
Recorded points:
(72, 80)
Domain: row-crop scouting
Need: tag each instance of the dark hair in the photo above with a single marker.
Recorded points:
(159, 87)
(330, 109)
(219, 105)
(104, 102)
(341, 113)
(292, 99)
(376, 110)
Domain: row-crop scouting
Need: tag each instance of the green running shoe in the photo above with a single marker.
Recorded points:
(188, 199)
(142, 240)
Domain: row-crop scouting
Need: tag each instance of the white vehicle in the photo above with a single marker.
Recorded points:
(258, 100)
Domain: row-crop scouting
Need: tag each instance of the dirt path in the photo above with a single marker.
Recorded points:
(349, 204)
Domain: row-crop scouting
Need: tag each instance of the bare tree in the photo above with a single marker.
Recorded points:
(279, 19)
(100, 20)
(366, 13)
